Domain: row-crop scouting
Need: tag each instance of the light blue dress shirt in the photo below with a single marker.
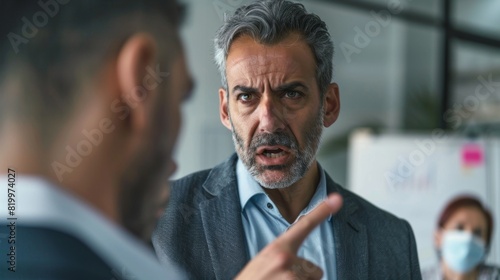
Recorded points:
(263, 222)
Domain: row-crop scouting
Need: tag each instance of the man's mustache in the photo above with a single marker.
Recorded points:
(273, 139)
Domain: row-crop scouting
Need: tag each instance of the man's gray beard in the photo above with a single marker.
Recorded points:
(297, 169)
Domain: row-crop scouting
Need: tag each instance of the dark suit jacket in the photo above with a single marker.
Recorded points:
(202, 231)
(48, 254)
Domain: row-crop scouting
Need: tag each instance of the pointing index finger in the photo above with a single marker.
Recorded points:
(296, 235)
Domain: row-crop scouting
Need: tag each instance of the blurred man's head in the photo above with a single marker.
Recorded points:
(89, 98)
(275, 60)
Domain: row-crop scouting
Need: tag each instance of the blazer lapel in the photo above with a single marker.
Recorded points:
(221, 217)
(351, 240)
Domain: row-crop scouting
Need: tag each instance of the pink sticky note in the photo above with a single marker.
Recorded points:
(472, 155)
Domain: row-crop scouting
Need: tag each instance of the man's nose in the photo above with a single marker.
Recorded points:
(271, 115)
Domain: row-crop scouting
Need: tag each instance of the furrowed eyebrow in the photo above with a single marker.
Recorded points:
(291, 86)
(280, 88)
(244, 89)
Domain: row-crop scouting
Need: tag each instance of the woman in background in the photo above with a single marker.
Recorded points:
(462, 240)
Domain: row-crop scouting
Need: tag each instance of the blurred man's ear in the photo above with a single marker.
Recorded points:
(331, 104)
(137, 55)
(223, 108)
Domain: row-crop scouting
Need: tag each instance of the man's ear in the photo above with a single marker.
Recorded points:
(134, 59)
(331, 104)
(223, 109)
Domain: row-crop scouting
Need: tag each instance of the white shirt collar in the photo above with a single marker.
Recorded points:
(40, 203)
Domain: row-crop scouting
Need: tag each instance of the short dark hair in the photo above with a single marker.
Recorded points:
(53, 43)
(52, 15)
(465, 201)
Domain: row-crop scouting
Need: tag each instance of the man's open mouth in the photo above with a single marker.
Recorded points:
(272, 151)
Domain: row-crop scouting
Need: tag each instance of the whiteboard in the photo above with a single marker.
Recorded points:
(414, 176)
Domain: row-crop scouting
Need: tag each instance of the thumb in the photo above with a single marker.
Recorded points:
(296, 235)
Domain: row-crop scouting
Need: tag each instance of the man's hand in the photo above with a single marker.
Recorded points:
(279, 260)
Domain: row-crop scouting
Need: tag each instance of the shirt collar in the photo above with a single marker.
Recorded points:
(41, 203)
(319, 196)
(248, 188)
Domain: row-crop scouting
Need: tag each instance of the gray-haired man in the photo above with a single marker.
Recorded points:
(275, 61)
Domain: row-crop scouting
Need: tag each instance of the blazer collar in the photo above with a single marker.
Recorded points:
(351, 239)
(350, 205)
(222, 176)
(222, 224)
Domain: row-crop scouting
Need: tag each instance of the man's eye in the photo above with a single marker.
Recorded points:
(245, 97)
(292, 94)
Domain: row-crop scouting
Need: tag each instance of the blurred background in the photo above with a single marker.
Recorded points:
(420, 103)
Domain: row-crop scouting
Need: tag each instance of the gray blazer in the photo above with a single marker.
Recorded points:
(202, 231)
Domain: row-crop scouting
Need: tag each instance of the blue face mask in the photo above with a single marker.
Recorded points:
(461, 250)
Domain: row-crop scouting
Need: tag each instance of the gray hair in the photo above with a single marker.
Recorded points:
(269, 22)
